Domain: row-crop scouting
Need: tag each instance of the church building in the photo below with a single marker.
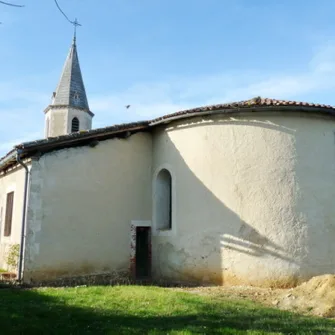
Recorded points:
(235, 193)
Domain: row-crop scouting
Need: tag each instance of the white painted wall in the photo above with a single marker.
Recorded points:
(253, 199)
(47, 126)
(57, 121)
(11, 182)
(82, 202)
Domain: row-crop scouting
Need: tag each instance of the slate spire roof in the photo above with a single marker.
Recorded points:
(70, 91)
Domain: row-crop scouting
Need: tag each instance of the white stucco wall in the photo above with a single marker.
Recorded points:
(82, 202)
(57, 121)
(253, 199)
(11, 182)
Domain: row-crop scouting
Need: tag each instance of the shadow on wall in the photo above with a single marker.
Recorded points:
(315, 171)
(214, 244)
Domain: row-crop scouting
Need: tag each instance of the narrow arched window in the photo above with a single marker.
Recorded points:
(163, 203)
(74, 125)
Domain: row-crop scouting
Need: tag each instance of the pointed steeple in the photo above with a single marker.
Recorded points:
(69, 110)
(70, 91)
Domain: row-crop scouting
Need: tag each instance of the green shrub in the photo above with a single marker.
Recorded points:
(13, 255)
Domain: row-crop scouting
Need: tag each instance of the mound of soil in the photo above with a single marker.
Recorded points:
(316, 296)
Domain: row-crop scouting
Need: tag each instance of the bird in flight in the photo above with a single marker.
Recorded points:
(127, 106)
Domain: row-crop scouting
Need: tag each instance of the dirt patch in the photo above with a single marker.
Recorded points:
(317, 296)
(314, 297)
(263, 295)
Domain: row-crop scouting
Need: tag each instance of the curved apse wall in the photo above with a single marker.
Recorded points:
(254, 199)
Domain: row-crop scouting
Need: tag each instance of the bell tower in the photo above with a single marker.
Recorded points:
(68, 111)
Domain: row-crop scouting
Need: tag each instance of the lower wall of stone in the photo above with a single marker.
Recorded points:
(205, 277)
(110, 278)
(125, 278)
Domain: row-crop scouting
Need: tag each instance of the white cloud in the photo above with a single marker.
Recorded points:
(159, 98)
(8, 145)
(152, 99)
(21, 114)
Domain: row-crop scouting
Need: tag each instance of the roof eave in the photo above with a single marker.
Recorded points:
(68, 106)
(238, 110)
(8, 160)
(76, 140)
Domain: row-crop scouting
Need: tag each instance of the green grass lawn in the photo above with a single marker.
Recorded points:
(142, 310)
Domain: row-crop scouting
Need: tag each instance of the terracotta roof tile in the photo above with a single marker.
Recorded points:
(257, 102)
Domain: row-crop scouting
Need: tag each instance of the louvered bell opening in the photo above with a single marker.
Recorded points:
(75, 125)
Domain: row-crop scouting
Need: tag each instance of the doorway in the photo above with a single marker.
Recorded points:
(143, 250)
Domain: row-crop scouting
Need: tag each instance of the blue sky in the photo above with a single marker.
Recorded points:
(162, 56)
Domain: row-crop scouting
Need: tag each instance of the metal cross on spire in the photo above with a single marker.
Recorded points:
(75, 25)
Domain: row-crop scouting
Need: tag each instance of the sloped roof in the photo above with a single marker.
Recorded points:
(257, 104)
(70, 91)
(94, 134)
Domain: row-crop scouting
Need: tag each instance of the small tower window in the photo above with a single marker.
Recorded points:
(76, 96)
(74, 125)
(163, 201)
